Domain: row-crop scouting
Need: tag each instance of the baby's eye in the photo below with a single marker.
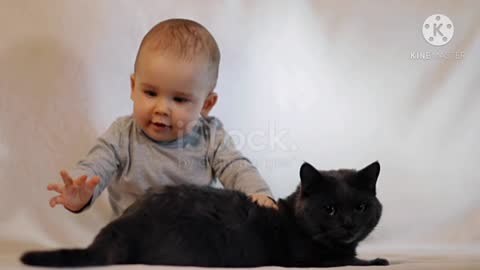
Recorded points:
(180, 99)
(330, 210)
(361, 208)
(150, 93)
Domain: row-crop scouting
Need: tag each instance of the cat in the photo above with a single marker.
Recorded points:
(319, 225)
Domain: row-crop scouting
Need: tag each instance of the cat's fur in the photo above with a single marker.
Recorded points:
(318, 225)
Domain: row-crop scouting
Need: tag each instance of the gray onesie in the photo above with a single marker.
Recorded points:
(128, 162)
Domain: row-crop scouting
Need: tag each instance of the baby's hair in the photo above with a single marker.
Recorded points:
(186, 39)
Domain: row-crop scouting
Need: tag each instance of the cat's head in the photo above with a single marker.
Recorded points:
(339, 206)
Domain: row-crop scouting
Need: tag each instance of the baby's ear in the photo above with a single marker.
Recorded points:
(209, 103)
(132, 84)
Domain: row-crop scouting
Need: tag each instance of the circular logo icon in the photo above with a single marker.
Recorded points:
(438, 29)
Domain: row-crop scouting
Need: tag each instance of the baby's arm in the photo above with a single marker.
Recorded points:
(235, 171)
(91, 175)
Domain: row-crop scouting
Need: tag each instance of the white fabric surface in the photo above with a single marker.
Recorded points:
(329, 82)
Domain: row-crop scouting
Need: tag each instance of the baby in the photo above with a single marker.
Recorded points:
(169, 139)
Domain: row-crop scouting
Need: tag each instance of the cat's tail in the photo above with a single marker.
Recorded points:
(61, 258)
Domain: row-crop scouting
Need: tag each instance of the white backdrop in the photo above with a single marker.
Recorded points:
(334, 84)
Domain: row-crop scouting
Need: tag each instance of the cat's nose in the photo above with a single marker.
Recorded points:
(347, 223)
(348, 226)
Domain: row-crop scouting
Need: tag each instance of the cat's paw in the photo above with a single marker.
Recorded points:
(379, 261)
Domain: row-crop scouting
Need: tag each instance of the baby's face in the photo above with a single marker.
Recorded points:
(169, 94)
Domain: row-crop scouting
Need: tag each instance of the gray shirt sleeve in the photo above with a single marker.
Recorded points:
(102, 160)
(229, 165)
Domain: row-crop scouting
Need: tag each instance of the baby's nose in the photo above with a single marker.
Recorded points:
(162, 107)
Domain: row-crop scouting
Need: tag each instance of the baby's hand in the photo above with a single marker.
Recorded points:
(263, 200)
(76, 193)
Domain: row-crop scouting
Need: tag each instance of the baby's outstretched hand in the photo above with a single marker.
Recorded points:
(263, 200)
(76, 193)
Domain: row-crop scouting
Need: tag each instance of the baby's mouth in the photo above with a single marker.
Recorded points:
(161, 125)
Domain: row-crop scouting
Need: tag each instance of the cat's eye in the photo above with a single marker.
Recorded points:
(361, 208)
(330, 210)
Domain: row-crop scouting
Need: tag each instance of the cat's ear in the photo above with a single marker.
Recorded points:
(367, 177)
(309, 177)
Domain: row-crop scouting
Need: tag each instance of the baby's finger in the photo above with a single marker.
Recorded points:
(66, 178)
(56, 200)
(268, 203)
(272, 205)
(264, 201)
(92, 183)
(81, 181)
(55, 187)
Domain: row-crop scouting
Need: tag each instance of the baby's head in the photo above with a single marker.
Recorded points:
(175, 74)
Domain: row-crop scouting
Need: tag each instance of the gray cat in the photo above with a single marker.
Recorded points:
(318, 225)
